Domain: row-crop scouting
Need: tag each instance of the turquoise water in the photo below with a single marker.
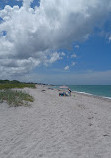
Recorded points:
(99, 90)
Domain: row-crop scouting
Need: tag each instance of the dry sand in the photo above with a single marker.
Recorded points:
(56, 127)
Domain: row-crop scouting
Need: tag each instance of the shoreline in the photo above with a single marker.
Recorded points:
(92, 95)
(88, 94)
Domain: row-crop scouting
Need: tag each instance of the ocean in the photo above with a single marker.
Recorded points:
(98, 90)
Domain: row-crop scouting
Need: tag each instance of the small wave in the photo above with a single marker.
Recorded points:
(92, 95)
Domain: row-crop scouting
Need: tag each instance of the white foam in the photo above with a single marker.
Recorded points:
(92, 95)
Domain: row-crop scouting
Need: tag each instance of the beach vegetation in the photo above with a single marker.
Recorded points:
(6, 84)
(15, 98)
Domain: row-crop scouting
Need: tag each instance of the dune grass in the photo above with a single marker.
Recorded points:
(15, 98)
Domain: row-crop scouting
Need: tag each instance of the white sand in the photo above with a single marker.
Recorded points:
(56, 127)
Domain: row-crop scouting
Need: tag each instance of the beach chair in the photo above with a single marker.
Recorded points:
(63, 94)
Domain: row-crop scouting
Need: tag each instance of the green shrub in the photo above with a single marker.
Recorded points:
(15, 98)
(16, 85)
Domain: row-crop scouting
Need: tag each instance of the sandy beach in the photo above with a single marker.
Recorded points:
(56, 127)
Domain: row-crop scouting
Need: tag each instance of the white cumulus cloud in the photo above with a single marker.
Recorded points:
(77, 46)
(73, 63)
(66, 68)
(73, 55)
(32, 33)
(109, 38)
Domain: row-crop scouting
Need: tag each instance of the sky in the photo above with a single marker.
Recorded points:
(56, 41)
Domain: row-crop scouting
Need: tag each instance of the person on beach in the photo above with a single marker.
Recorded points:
(69, 92)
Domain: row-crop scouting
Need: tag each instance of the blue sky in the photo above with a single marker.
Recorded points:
(3, 3)
(55, 46)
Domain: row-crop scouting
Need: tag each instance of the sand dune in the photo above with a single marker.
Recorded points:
(56, 127)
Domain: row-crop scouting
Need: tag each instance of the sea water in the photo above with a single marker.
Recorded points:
(98, 90)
